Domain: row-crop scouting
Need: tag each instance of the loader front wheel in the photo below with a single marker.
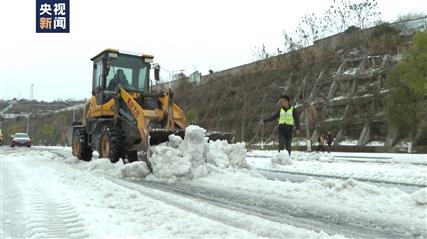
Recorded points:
(81, 149)
(111, 144)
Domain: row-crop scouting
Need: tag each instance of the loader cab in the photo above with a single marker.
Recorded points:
(112, 68)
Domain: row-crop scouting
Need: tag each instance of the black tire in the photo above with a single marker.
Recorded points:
(132, 156)
(111, 144)
(81, 149)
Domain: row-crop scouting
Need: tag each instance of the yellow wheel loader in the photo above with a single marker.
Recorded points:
(124, 117)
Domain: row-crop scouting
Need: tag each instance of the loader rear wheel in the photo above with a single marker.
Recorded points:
(81, 149)
(111, 144)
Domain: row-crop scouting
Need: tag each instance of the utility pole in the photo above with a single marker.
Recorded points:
(243, 111)
(306, 105)
(28, 123)
(32, 92)
(244, 115)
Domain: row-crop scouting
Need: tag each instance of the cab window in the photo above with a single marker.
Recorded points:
(118, 75)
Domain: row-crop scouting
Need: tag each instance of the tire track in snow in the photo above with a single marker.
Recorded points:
(373, 181)
(356, 159)
(52, 217)
(412, 185)
(46, 213)
(11, 202)
(273, 210)
(188, 207)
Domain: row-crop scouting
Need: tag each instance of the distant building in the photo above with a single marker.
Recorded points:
(412, 25)
(195, 76)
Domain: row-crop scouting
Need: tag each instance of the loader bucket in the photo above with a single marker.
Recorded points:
(158, 136)
(216, 135)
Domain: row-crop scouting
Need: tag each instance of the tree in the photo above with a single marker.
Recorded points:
(337, 18)
(364, 12)
(260, 53)
(16, 127)
(289, 43)
(383, 40)
(45, 132)
(192, 117)
(341, 15)
(309, 29)
(406, 107)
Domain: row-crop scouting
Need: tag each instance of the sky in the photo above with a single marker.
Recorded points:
(182, 35)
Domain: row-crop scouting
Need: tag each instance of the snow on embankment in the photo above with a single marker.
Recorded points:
(179, 159)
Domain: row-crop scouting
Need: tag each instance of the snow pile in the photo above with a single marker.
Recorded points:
(174, 141)
(103, 165)
(420, 196)
(307, 156)
(238, 156)
(178, 159)
(195, 157)
(135, 170)
(349, 184)
(223, 155)
(168, 162)
(217, 153)
(282, 158)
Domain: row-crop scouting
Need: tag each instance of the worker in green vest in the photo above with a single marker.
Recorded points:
(288, 120)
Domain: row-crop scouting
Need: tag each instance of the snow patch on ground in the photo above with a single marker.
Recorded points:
(282, 158)
(420, 196)
(135, 170)
(348, 142)
(376, 143)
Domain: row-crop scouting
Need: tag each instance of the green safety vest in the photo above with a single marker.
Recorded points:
(286, 117)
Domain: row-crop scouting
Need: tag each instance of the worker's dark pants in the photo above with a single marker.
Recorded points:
(285, 137)
(329, 147)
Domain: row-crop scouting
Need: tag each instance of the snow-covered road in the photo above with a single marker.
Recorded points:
(297, 177)
(46, 192)
(409, 172)
(62, 199)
